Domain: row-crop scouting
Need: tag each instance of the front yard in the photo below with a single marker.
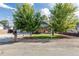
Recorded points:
(43, 36)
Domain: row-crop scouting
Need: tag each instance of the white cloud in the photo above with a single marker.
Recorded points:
(2, 5)
(51, 5)
(31, 4)
(45, 11)
(77, 13)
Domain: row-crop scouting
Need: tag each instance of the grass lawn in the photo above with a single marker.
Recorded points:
(44, 36)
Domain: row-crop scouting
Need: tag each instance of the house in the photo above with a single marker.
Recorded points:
(43, 28)
(2, 31)
(74, 30)
(1, 26)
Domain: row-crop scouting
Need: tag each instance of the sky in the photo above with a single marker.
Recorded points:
(6, 9)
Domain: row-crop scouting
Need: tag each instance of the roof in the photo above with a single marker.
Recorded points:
(1, 25)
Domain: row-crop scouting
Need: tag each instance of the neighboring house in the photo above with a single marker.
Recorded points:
(43, 28)
(2, 31)
(77, 27)
(75, 30)
(1, 26)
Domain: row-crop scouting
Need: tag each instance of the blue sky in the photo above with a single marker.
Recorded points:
(6, 12)
(6, 9)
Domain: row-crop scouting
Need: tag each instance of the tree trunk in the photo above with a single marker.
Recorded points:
(30, 34)
(15, 35)
(52, 33)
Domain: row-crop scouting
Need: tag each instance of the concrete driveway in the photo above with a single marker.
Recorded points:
(60, 47)
(6, 38)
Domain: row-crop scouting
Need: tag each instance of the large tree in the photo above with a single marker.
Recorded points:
(26, 19)
(62, 17)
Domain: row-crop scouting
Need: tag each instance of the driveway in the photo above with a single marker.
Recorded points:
(60, 47)
(6, 38)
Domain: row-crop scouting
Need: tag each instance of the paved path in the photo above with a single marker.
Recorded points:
(60, 47)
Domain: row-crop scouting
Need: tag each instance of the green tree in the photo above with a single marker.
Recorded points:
(62, 17)
(38, 18)
(26, 19)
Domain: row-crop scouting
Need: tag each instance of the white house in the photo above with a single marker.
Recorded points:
(77, 27)
(1, 26)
